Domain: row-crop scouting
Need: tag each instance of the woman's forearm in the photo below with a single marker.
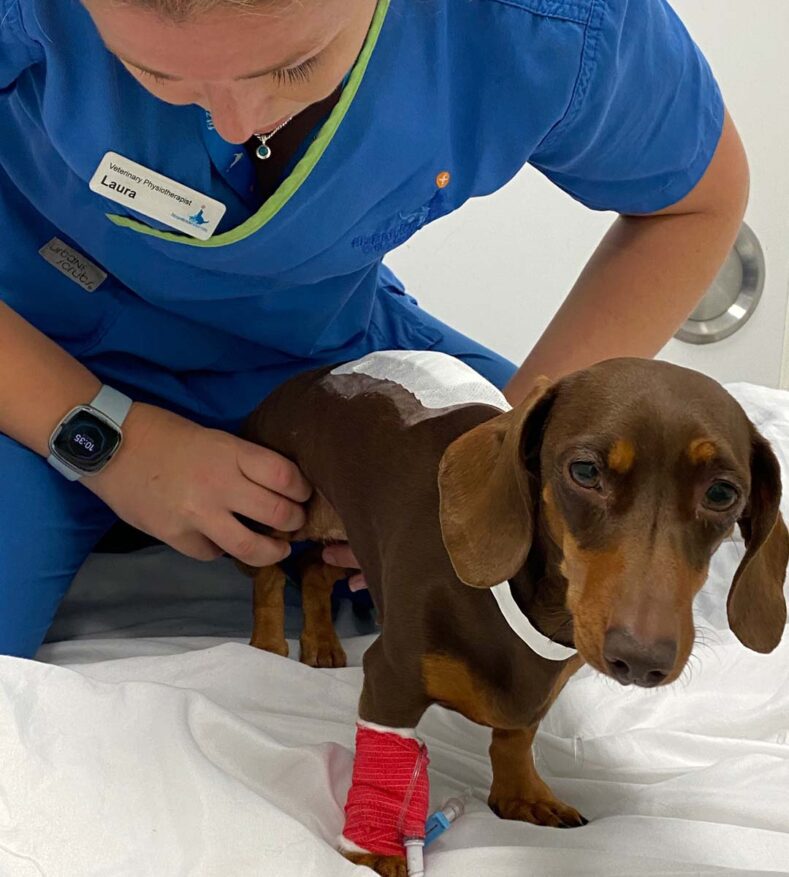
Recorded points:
(39, 382)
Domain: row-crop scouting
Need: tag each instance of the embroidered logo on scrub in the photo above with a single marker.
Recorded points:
(404, 224)
(74, 265)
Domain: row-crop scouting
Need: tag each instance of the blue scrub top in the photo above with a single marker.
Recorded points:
(610, 99)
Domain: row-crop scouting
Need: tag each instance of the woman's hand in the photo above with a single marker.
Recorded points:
(342, 555)
(182, 483)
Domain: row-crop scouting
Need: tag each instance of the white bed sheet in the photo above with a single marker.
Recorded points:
(194, 755)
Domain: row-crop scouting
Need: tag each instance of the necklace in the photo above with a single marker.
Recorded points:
(264, 150)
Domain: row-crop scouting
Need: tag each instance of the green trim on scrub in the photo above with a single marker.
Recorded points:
(292, 183)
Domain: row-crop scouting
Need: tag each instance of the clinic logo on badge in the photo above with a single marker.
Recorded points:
(197, 220)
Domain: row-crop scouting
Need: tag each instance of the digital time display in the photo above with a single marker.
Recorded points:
(86, 442)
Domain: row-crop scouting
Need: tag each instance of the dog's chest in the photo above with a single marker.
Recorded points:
(517, 695)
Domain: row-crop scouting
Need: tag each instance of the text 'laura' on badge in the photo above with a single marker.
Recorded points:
(156, 196)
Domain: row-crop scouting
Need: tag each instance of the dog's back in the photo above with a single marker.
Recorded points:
(372, 447)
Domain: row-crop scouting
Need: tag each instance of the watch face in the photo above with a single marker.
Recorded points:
(86, 442)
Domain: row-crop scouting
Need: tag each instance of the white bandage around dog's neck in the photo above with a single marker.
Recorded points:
(525, 630)
(438, 380)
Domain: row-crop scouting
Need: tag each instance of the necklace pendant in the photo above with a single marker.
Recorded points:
(264, 151)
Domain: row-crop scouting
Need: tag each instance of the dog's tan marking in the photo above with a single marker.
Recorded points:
(598, 584)
(571, 667)
(518, 791)
(701, 450)
(689, 582)
(621, 456)
(591, 582)
(386, 866)
(268, 632)
(323, 524)
(592, 578)
(320, 646)
(451, 683)
(554, 519)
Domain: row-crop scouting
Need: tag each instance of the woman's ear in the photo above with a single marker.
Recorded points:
(487, 494)
(756, 604)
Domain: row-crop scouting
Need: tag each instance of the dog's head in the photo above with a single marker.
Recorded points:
(635, 471)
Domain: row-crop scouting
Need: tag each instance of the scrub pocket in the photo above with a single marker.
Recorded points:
(64, 309)
(50, 281)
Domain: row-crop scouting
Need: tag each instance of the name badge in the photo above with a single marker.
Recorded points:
(156, 196)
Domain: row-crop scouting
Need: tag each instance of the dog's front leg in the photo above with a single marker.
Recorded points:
(518, 791)
(389, 794)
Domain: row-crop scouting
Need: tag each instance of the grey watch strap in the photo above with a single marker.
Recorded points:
(65, 471)
(114, 405)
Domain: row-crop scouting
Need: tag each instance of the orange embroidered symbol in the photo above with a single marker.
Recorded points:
(442, 179)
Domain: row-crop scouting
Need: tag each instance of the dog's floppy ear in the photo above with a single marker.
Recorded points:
(756, 604)
(486, 492)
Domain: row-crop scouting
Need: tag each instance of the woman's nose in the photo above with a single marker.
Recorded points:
(234, 115)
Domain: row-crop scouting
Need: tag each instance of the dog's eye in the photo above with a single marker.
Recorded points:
(585, 473)
(721, 496)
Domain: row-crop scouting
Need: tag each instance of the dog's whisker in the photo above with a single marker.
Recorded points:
(686, 677)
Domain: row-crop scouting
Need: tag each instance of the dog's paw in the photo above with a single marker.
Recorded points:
(544, 811)
(322, 651)
(386, 866)
(277, 646)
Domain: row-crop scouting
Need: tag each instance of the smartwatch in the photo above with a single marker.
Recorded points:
(89, 436)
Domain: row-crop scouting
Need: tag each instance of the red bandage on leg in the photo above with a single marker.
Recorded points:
(389, 793)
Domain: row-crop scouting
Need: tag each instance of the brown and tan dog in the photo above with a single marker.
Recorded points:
(600, 498)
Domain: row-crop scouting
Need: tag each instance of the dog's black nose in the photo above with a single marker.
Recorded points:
(632, 661)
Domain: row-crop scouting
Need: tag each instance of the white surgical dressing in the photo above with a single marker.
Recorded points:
(438, 380)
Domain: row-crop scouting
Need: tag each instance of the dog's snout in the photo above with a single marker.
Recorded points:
(631, 661)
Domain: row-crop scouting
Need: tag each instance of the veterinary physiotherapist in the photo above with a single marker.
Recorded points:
(196, 196)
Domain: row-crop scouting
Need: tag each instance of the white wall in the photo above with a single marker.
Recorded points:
(499, 268)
